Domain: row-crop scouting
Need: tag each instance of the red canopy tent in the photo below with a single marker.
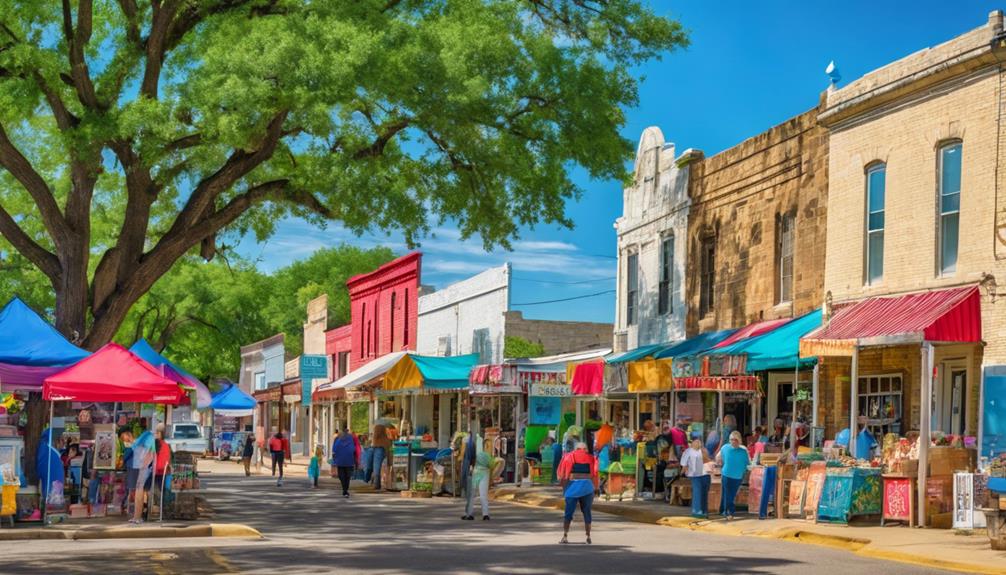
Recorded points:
(112, 373)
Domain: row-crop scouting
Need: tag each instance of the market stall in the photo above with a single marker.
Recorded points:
(111, 374)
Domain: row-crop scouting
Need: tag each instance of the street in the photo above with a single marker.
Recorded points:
(315, 531)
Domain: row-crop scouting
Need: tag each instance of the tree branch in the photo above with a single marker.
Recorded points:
(36, 254)
(22, 170)
(76, 41)
(385, 134)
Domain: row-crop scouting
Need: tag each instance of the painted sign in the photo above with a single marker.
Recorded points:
(550, 390)
(897, 499)
(815, 483)
(105, 446)
(797, 488)
(312, 367)
(544, 410)
(964, 501)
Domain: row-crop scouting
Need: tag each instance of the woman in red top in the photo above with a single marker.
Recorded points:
(580, 480)
(278, 445)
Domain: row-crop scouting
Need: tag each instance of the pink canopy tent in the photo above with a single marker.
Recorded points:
(112, 373)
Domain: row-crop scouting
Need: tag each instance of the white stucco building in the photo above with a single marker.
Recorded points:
(466, 317)
(652, 246)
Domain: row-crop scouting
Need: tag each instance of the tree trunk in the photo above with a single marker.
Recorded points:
(71, 297)
(37, 412)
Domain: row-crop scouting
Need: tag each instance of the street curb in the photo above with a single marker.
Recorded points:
(856, 545)
(206, 530)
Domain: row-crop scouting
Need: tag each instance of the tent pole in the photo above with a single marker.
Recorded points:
(925, 431)
(854, 401)
(48, 470)
(815, 385)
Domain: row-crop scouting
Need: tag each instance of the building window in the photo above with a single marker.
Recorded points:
(363, 332)
(391, 323)
(444, 346)
(482, 345)
(950, 205)
(707, 276)
(376, 327)
(343, 363)
(787, 225)
(259, 380)
(368, 338)
(405, 320)
(632, 288)
(665, 287)
(875, 189)
(880, 400)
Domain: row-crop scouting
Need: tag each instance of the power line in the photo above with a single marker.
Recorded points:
(566, 299)
(526, 279)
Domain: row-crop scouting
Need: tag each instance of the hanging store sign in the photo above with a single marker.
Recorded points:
(312, 367)
(550, 390)
(740, 383)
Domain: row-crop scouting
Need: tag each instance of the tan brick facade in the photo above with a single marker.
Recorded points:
(739, 196)
(901, 115)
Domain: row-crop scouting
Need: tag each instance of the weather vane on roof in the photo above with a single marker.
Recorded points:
(833, 73)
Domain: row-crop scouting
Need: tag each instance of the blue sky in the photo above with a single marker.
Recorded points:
(750, 65)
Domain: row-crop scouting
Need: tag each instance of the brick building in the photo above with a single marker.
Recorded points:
(558, 337)
(915, 165)
(756, 236)
(384, 308)
(339, 348)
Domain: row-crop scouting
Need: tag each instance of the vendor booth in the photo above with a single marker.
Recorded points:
(112, 374)
(230, 406)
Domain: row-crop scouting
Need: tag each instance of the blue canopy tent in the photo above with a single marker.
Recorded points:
(233, 402)
(31, 349)
(147, 353)
(694, 345)
(777, 349)
(640, 352)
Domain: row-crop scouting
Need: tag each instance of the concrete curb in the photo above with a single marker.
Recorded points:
(857, 545)
(142, 532)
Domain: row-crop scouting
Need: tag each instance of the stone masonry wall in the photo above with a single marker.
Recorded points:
(559, 336)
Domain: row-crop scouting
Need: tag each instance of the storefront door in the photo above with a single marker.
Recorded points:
(951, 397)
(786, 400)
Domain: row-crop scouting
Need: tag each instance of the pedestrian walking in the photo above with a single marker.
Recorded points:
(345, 458)
(277, 448)
(314, 467)
(735, 460)
(481, 476)
(693, 462)
(580, 481)
(246, 454)
(380, 445)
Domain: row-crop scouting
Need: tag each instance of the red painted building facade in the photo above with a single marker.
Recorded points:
(383, 309)
(339, 349)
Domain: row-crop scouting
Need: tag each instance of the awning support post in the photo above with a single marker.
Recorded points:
(925, 426)
(815, 389)
(854, 401)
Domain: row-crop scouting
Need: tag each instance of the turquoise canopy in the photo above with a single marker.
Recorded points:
(777, 349)
(445, 372)
(694, 345)
(638, 353)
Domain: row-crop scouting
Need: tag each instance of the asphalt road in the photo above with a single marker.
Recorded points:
(315, 531)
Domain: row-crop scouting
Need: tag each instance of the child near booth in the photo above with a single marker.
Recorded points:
(314, 468)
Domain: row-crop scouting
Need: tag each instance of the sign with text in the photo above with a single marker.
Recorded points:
(897, 499)
(312, 367)
(550, 390)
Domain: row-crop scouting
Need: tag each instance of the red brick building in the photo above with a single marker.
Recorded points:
(383, 308)
(339, 349)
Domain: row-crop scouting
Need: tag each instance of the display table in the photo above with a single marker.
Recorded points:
(850, 492)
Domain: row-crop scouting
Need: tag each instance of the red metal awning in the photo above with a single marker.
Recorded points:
(948, 315)
(753, 330)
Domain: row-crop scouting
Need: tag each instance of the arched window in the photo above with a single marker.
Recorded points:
(949, 159)
(363, 323)
(391, 322)
(876, 175)
(666, 285)
(785, 233)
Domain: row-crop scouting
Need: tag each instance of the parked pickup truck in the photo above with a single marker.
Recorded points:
(188, 437)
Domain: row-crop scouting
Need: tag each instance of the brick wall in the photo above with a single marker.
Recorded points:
(378, 325)
(738, 197)
(559, 336)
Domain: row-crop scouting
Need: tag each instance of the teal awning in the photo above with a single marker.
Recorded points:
(694, 345)
(638, 353)
(777, 349)
(445, 372)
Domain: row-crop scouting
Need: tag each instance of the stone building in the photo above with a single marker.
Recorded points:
(652, 246)
(557, 336)
(916, 154)
(756, 228)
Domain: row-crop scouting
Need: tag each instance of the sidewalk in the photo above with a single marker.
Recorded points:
(935, 548)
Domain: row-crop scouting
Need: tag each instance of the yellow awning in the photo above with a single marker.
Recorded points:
(404, 375)
(650, 375)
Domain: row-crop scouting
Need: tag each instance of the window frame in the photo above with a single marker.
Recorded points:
(782, 285)
(631, 291)
(871, 169)
(942, 215)
(665, 285)
(707, 275)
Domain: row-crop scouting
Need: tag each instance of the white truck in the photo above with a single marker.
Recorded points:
(188, 437)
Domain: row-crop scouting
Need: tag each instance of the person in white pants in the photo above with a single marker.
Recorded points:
(480, 481)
